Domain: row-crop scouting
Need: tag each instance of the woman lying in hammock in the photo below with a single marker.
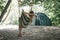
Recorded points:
(24, 20)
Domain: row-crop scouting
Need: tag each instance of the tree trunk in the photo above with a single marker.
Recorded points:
(5, 9)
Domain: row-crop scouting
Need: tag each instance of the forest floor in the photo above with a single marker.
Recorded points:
(10, 32)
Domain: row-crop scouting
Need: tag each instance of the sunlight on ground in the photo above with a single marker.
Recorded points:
(12, 27)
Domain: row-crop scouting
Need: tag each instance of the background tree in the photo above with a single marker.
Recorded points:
(3, 10)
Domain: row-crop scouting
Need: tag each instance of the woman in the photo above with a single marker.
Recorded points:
(27, 17)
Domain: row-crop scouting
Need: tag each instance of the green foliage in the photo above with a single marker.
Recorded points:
(29, 2)
(54, 7)
(1, 5)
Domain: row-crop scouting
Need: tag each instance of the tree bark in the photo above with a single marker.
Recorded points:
(5, 9)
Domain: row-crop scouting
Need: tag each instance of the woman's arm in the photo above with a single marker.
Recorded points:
(33, 14)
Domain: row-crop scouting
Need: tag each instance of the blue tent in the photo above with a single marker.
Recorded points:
(42, 20)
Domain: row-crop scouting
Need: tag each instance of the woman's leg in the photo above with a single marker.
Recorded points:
(20, 31)
(20, 27)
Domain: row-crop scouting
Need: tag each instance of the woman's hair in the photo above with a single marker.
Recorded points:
(31, 12)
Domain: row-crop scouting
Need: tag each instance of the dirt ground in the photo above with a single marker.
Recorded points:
(10, 32)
